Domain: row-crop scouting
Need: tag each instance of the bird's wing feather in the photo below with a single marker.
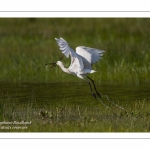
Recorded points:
(64, 47)
(76, 60)
(92, 55)
(75, 65)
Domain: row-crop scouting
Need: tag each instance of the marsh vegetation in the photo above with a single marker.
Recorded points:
(55, 101)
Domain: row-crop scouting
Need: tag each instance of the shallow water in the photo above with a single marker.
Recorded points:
(70, 93)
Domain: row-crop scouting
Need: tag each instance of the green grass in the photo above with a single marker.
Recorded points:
(65, 117)
(27, 44)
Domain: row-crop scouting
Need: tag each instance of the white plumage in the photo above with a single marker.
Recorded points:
(81, 60)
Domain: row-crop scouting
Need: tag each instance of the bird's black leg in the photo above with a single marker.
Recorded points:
(94, 87)
(91, 89)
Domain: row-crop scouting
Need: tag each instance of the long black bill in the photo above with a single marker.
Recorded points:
(53, 64)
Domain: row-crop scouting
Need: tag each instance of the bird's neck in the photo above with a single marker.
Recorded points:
(64, 69)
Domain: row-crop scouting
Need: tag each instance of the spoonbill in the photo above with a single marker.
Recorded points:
(81, 62)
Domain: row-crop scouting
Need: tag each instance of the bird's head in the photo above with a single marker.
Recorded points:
(59, 63)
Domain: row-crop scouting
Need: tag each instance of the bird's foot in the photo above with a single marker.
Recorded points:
(94, 95)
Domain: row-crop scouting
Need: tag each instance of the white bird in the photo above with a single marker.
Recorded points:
(81, 61)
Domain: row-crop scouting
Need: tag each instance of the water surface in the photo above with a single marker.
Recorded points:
(71, 93)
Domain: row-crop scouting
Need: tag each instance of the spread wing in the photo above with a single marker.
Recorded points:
(76, 60)
(92, 55)
(64, 47)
